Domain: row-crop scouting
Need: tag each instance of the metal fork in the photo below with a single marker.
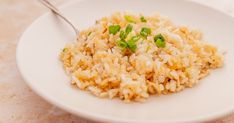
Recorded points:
(56, 11)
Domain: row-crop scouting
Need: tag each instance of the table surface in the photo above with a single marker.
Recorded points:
(18, 103)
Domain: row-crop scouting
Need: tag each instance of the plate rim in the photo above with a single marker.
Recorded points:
(95, 116)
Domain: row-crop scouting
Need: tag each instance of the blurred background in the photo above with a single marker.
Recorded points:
(18, 104)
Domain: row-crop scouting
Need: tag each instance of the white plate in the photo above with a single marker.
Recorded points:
(40, 45)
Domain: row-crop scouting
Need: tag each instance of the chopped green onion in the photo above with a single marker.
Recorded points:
(145, 32)
(160, 41)
(159, 36)
(122, 35)
(122, 44)
(135, 38)
(113, 29)
(129, 19)
(128, 29)
(143, 19)
(132, 45)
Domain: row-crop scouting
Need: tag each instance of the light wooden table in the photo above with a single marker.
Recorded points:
(18, 104)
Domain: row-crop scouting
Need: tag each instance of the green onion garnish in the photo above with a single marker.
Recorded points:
(129, 19)
(135, 38)
(122, 44)
(113, 29)
(143, 19)
(132, 45)
(145, 32)
(159, 41)
(122, 35)
(128, 29)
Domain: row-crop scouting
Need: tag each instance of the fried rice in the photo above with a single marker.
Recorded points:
(98, 63)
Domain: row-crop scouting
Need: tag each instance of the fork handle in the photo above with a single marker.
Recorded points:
(57, 12)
